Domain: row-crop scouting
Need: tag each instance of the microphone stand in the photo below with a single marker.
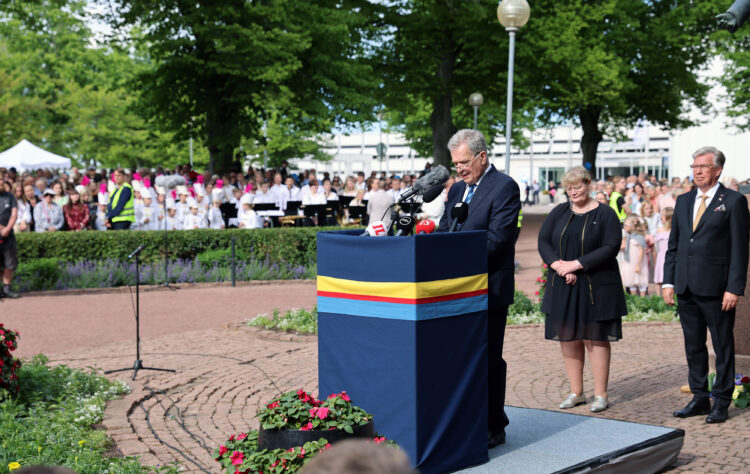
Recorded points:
(138, 365)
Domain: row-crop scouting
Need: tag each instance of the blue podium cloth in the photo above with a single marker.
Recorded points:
(402, 327)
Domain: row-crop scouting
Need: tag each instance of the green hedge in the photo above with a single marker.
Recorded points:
(289, 245)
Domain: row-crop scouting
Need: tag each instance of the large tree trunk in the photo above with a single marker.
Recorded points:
(591, 138)
(220, 137)
(440, 119)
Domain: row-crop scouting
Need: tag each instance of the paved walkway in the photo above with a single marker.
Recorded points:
(226, 370)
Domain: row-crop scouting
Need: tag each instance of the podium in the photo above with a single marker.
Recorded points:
(402, 327)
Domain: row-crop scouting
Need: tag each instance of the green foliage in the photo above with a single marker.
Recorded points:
(614, 62)
(222, 257)
(62, 90)
(650, 304)
(297, 410)
(234, 64)
(50, 421)
(522, 304)
(735, 77)
(41, 273)
(241, 454)
(298, 320)
(294, 246)
(434, 55)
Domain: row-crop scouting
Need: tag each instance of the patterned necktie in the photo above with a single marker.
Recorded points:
(701, 210)
(470, 194)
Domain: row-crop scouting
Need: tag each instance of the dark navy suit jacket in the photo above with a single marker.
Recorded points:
(713, 258)
(494, 208)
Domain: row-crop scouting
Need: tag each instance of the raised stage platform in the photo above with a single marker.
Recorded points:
(541, 441)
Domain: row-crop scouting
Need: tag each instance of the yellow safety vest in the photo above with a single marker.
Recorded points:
(613, 204)
(128, 212)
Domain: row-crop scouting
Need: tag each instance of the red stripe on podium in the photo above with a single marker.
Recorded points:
(388, 299)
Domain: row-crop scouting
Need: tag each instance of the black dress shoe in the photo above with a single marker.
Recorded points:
(699, 406)
(719, 414)
(495, 438)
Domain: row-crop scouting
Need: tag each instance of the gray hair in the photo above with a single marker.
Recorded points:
(719, 158)
(576, 175)
(473, 139)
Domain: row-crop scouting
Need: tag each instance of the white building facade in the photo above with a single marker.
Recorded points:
(551, 152)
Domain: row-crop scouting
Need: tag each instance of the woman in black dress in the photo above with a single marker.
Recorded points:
(584, 299)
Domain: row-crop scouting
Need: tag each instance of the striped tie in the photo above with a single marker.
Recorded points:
(470, 194)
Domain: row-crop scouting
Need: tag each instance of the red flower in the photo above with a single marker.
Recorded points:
(322, 413)
(327, 446)
(273, 405)
(536, 293)
(222, 450)
(241, 436)
(307, 427)
(345, 397)
(302, 453)
(231, 438)
(745, 379)
(303, 396)
(237, 458)
(312, 411)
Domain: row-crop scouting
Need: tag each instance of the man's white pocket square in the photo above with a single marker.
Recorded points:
(720, 209)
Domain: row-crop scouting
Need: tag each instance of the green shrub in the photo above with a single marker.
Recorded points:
(41, 274)
(295, 246)
(646, 304)
(522, 304)
(221, 257)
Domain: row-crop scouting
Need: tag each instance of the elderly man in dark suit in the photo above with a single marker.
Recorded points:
(706, 265)
(494, 200)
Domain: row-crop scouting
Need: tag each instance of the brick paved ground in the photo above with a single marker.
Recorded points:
(226, 370)
(225, 374)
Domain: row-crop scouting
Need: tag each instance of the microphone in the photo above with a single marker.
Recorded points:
(170, 182)
(459, 213)
(136, 251)
(404, 226)
(375, 229)
(438, 175)
(432, 193)
(425, 227)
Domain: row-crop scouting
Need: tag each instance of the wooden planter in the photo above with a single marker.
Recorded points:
(285, 439)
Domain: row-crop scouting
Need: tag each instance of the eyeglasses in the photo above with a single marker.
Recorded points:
(460, 166)
(702, 167)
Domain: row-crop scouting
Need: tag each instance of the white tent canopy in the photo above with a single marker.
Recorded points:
(27, 156)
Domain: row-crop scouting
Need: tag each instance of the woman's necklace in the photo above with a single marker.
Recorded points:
(584, 209)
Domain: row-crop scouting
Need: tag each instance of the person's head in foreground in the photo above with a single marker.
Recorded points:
(358, 456)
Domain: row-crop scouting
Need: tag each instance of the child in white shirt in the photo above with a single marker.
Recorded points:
(215, 219)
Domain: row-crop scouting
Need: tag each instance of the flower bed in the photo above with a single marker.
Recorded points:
(49, 421)
(8, 365)
(293, 411)
(50, 274)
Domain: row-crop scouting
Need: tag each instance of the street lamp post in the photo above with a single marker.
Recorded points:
(191, 143)
(476, 100)
(512, 14)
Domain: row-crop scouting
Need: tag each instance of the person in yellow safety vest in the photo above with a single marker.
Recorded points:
(121, 207)
(617, 200)
(518, 227)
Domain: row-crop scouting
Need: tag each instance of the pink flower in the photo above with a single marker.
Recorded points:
(536, 293)
(345, 397)
(312, 411)
(231, 438)
(322, 413)
(241, 436)
(237, 458)
(222, 450)
(307, 427)
(327, 446)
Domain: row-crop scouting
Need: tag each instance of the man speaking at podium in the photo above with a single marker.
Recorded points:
(493, 201)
